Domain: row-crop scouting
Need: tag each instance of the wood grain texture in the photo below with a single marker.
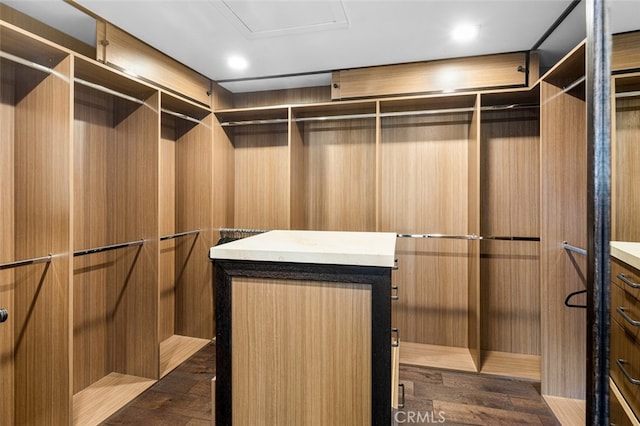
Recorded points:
(7, 243)
(563, 192)
(511, 364)
(446, 357)
(626, 191)
(132, 55)
(490, 71)
(167, 226)
(100, 400)
(132, 195)
(303, 95)
(339, 166)
(177, 349)
(194, 206)
(624, 347)
(473, 227)
(424, 170)
(42, 161)
(261, 177)
(625, 53)
(510, 199)
(116, 151)
(223, 177)
(301, 352)
(619, 411)
(296, 175)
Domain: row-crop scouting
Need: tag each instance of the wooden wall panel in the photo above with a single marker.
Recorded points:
(307, 346)
(473, 227)
(490, 71)
(303, 95)
(424, 190)
(223, 177)
(339, 166)
(132, 193)
(625, 53)
(626, 201)
(510, 197)
(297, 175)
(7, 282)
(42, 221)
(167, 222)
(563, 204)
(93, 133)
(132, 55)
(261, 177)
(194, 201)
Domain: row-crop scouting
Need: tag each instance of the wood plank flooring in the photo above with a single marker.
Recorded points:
(458, 398)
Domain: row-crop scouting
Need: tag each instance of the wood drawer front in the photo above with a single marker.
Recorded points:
(625, 347)
(626, 277)
(625, 309)
(619, 414)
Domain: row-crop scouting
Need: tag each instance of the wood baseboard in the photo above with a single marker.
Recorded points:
(511, 365)
(447, 357)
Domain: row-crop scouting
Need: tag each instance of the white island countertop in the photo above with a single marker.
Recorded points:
(320, 247)
(627, 252)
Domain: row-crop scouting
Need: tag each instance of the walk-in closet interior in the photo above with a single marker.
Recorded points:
(120, 168)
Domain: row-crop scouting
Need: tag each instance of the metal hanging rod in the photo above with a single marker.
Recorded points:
(180, 115)
(628, 94)
(573, 85)
(574, 249)
(26, 262)
(384, 114)
(107, 90)
(469, 237)
(107, 248)
(448, 236)
(30, 64)
(179, 234)
(509, 238)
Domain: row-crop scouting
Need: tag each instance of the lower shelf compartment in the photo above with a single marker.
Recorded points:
(455, 358)
(177, 349)
(97, 402)
(568, 411)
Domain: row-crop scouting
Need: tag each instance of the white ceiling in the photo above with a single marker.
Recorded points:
(304, 40)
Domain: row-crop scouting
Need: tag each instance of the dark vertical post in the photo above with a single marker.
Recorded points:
(598, 81)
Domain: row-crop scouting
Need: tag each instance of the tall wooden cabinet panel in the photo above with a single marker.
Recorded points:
(509, 206)
(338, 170)
(424, 189)
(563, 191)
(625, 224)
(185, 217)
(115, 305)
(35, 111)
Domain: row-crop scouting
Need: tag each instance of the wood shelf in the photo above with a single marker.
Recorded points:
(568, 411)
(177, 349)
(435, 356)
(511, 365)
(97, 402)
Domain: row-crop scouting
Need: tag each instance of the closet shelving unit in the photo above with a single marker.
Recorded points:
(625, 133)
(333, 166)
(186, 186)
(35, 168)
(509, 205)
(563, 190)
(115, 201)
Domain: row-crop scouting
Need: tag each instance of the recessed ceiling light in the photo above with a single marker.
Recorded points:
(237, 63)
(463, 33)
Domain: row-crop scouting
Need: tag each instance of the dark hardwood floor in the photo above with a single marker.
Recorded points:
(432, 396)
